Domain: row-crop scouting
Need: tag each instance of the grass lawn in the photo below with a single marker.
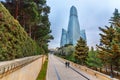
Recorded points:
(42, 74)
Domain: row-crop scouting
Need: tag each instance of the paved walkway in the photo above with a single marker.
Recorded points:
(58, 71)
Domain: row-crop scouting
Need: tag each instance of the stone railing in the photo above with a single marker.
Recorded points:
(7, 67)
(97, 74)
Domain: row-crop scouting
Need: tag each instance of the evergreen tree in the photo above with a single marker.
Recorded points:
(25, 12)
(116, 17)
(14, 41)
(109, 49)
(110, 39)
(93, 60)
(33, 16)
(115, 20)
(81, 51)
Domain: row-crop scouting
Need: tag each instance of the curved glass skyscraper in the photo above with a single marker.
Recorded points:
(73, 34)
(73, 26)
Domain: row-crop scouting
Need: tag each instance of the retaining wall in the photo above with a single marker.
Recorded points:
(21, 69)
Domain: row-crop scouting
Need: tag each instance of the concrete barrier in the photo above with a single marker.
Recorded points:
(97, 74)
(26, 68)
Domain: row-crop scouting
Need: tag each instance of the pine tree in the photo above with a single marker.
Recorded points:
(14, 41)
(110, 39)
(33, 16)
(116, 17)
(115, 20)
(26, 12)
(93, 60)
(81, 51)
(106, 53)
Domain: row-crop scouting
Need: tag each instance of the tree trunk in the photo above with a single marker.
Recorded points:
(81, 62)
(100, 69)
(16, 10)
(24, 23)
(117, 73)
(117, 67)
(30, 31)
(34, 37)
(96, 69)
(111, 73)
(106, 69)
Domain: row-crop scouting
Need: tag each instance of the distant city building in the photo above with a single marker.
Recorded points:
(73, 34)
(63, 37)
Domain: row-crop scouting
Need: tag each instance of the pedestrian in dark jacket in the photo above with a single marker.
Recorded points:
(66, 64)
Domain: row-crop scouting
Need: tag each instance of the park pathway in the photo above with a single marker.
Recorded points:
(58, 71)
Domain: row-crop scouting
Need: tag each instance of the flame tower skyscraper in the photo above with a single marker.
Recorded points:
(73, 27)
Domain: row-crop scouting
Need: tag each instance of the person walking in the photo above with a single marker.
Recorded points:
(66, 64)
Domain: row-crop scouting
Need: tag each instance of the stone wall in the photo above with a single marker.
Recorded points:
(21, 69)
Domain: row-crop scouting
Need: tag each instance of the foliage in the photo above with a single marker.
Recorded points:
(115, 20)
(42, 74)
(66, 52)
(106, 53)
(14, 41)
(110, 39)
(116, 17)
(106, 41)
(81, 51)
(33, 16)
(93, 60)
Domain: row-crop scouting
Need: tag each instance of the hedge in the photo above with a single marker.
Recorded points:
(14, 41)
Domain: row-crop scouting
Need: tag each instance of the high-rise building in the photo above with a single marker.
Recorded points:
(73, 26)
(63, 37)
(83, 34)
(73, 34)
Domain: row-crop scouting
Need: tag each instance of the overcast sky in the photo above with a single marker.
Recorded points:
(91, 13)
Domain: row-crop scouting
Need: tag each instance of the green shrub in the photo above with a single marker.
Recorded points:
(43, 71)
(14, 41)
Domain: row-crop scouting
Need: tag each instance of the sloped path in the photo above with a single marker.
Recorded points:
(58, 71)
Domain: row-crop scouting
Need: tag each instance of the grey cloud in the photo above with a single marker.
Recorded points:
(92, 14)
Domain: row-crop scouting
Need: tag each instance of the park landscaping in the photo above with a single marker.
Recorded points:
(43, 71)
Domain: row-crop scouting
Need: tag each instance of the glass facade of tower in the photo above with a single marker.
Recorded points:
(83, 34)
(63, 37)
(73, 34)
(73, 27)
